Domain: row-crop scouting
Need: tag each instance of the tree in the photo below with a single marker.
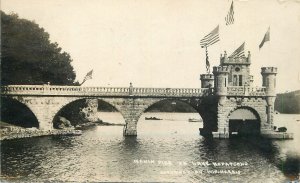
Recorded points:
(28, 56)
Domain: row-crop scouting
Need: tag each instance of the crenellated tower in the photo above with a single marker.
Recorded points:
(238, 68)
(207, 80)
(269, 81)
(221, 80)
(241, 108)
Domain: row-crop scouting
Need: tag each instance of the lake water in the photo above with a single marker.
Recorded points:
(168, 150)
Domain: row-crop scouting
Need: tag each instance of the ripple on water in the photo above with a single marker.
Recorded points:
(103, 154)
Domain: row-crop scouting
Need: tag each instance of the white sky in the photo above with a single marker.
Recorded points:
(155, 43)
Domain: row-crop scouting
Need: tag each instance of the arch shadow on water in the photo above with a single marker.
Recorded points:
(17, 113)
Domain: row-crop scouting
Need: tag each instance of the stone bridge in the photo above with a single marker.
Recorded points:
(45, 101)
(227, 101)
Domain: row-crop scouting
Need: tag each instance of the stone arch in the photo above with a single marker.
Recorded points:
(244, 120)
(26, 116)
(185, 101)
(255, 112)
(72, 101)
(116, 104)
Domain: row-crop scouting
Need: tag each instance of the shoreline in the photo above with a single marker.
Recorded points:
(14, 132)
(29, 133)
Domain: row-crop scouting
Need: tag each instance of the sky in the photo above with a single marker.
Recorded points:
(155, 43)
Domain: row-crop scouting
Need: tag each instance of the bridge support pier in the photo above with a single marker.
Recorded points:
(131, 116)
(220, 135)
(130, 130)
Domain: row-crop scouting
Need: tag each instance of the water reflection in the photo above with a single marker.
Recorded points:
(103, 154)
(290, 167)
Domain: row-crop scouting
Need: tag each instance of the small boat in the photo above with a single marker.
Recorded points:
(194, 120)
(282, 129)
(152, 118)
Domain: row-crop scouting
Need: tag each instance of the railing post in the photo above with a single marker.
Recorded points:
(130, 89)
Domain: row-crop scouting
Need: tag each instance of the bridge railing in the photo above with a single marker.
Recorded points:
(101, 91)
(171, 91)
(246, 91)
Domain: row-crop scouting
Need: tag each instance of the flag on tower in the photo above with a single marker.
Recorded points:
(239, 52)
(265, 39)
(210, 38)
(229, 19)
(88, 76)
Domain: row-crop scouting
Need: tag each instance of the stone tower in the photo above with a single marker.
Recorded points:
(207, 80)
(221, 80)
(269, 81)
(238, 68)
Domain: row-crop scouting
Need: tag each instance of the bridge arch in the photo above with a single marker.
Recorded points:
(166, 102)
(186, 102)
(71, 110)
(17, 113)
(244, 120)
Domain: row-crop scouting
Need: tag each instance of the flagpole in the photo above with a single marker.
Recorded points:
(82, 82)
(207, 61)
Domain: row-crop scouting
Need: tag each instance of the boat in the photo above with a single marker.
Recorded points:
(194, 120)
(282, 129)
(152, 118)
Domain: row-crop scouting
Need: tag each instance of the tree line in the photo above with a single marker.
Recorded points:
(29, 57)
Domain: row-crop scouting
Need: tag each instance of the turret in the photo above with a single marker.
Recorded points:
(225, 60)
(249, 57)
(221, 80)
(207, 80)
(269, 80)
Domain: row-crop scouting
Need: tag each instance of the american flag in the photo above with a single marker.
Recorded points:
(210, 38)
(229, 18)
(239, 52)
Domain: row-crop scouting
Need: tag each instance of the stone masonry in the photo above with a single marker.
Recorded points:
(228, 89)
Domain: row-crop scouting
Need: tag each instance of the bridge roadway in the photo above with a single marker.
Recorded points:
(52, 90)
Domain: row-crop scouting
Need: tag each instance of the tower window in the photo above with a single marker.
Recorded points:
(225, 82)
(264, 81)
(237, 69)
(235, 80)
(240, 80)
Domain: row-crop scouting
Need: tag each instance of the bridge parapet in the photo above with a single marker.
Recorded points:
(246, 91)
(102, 91)
(174, 92)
